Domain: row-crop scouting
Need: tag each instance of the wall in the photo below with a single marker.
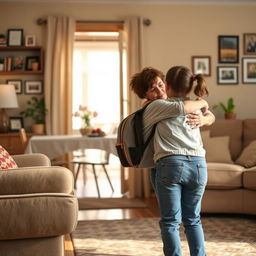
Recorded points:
(177, 32)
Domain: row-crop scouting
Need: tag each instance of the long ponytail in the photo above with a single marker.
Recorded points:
(200, 89)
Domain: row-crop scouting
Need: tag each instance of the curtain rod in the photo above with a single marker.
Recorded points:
(146, 22)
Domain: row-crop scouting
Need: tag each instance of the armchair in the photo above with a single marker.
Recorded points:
(37, 207)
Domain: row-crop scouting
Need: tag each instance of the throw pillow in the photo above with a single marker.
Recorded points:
(248, 156)
(6, 161)
(217, 149)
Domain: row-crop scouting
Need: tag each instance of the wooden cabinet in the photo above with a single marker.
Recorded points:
(12, 143)
(10, 54)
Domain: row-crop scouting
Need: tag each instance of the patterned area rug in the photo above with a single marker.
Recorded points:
(225, 236)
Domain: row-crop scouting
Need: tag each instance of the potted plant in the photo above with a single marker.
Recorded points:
(37, 112)
(229, 109)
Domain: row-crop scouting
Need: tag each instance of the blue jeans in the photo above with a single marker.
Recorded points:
(180, 184)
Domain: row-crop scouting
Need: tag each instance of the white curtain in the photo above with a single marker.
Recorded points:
(138, 180)
(58, 74)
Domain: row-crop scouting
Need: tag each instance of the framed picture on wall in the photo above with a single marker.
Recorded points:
(250, 44)
(34, 87)
(17, 84)
(227, 75)
(249, 70)
(228, 48)
(16, 123)
(15, 37)
(201, 65)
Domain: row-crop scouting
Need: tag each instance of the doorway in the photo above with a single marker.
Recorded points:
(96, 85)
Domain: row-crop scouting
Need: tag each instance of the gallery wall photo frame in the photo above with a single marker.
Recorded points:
(249, 43)
(227, 75)
(228, 49)
(33, 87)
(16, 123)
(249, 70)
(15, 37)
(17, 84)
(201, 65)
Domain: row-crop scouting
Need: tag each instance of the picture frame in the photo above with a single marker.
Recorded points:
(249, 43)
(201, 65)
(228, 49)
(15, 37)
(18, 63)
(249, 70)
(30, 40)
(17, 84)
(33, 87)
(227, 75)
(16, 123)
(30, 60)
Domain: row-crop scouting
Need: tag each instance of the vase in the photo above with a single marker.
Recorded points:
(230, 115)
(38, 128)
(86, 131)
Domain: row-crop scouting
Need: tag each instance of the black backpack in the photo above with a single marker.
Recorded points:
(131, 148)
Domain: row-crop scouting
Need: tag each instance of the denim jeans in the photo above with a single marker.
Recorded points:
(180, 183)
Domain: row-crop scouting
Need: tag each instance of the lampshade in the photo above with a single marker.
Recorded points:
(8, 98)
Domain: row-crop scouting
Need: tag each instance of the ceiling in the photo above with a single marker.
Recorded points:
(144, 1)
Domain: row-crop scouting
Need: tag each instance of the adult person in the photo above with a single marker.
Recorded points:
(149, 85)
(181, 172)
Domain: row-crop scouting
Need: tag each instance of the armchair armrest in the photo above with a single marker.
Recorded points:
(31, 160)
(29, 180)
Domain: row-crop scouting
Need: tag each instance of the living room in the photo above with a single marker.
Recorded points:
(179, 32)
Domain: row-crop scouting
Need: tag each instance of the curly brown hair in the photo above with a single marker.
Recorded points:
(141, 82)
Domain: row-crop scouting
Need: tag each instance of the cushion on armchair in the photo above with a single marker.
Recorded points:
(6, 161)
(248, 156)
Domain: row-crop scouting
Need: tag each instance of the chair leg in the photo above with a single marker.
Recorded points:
(77, 172)
(105, 170)
(96, 180)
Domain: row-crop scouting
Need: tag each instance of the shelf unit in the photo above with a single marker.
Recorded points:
(12, 51)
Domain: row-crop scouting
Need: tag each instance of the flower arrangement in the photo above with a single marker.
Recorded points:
(86, 115)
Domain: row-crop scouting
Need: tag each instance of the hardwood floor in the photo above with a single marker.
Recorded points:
(89, 190)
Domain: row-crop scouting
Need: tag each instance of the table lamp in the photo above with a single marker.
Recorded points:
(8, 99)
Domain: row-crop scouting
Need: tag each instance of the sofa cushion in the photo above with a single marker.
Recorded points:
(224, 176)
(231, 128)
(248, 156)
(249, 178)
(6, 161)
(217, 149)
(249, 131)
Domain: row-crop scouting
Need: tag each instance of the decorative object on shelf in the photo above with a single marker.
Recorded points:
(32, 63)
(228, 49)
(33, 87)
(250, 43)
(16, 123)
(37, 112)
(18, 63)
(8, 99)
(3, 41)
(229, 109)
(249, 70)
(85, 115)
(227, 75)
(201, 65)
(17, 84)
(30, 40)
(15, 37)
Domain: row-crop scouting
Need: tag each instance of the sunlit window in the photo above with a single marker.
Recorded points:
(96, 77)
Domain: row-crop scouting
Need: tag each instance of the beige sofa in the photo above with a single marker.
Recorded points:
(231, 186)
(37, 207)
